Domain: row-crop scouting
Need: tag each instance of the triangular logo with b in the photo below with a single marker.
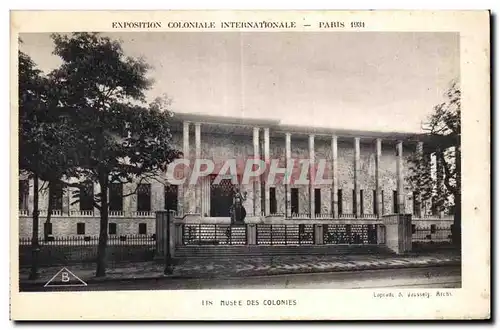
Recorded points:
(64, 277)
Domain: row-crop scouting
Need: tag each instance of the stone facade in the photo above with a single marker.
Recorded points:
(220, 142)
(63, 226)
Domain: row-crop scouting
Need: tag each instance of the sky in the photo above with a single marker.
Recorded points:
(382, 81)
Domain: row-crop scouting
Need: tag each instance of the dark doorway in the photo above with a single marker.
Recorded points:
(144, 197)
(395, 205)
(116, 197)
(221, 197)
(294, 201)
(340, 201)
(171, 193)
(317, 201)
(272, 201)
(354, 202)
(56, 194)
(87, 197)
(382, 203)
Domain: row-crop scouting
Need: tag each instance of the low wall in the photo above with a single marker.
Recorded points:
(66, 225)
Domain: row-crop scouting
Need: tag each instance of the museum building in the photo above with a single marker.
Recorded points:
(367, 174)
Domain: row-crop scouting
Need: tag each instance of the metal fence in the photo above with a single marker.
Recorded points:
(350, 234)
(431, 238)
(83, 249)
(285, 234)
(214, 234)
(431, 234)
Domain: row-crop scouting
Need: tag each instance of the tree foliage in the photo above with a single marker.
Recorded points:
(121, 138)
(46, 141)
(435, 172)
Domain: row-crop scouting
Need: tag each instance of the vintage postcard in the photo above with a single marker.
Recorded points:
(250, 165)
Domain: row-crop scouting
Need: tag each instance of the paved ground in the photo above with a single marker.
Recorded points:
(248, 266)
(440, 277)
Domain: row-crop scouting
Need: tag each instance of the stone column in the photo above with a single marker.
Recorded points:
(157, 196)
(288, 158)
(198, 192)
(378, 189)
(356, 177)
(335, 184)
(205, 196)
(256, 183)
(268, 162)
(184, 188)
(420, 153)
(312, 174)
(399, 174)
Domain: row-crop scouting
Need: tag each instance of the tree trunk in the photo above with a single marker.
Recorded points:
(50, 206)
(103, 232)
(35, 248)
(457, 218)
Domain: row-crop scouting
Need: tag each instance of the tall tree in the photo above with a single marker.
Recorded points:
(121, 137)
(436, 172)
(44, 138)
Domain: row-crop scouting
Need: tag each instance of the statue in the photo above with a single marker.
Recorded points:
(238, 212)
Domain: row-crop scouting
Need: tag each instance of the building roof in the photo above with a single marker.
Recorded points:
(276, 127)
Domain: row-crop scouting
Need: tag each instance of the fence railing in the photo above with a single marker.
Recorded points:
(91, 240)
(431, 234)
(84, 213)
(285, 234)
(116, 213)
(350, 234)
(214, 234)
(301, 215)
(56, 213)
(83, 249)
(142, 214)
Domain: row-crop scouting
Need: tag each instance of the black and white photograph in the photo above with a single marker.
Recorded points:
(239, 159)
